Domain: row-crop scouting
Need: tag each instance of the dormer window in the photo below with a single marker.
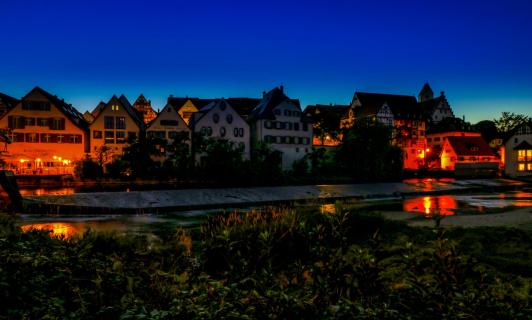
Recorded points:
(114, 107)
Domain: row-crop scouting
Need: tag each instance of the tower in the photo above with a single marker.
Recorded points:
(426, 93)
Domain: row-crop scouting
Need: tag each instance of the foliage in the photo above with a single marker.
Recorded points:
(488, 130)
(275, 263)
(509, 120)
(221, 159)
(366, 153)
(451, 124)
(264, 166)
(88, 168)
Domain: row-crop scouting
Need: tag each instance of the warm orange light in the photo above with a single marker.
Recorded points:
(38, 160)
(427, 150)
(54, 157)
(22, 160)
(444, 205)
(60, 229)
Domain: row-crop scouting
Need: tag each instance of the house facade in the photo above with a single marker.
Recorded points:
(219, 120)
(47, 135)
(186, 106)
(280, 122)
(468, 156)
(404, 115)
(167, 125)
(143, 106)
(518, 152)
(115, 124)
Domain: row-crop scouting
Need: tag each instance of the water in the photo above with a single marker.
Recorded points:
(69, 226)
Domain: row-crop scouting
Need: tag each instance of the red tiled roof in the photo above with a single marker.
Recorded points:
(470, 146)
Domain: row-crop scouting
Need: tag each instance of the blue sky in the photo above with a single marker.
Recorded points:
(479, 53)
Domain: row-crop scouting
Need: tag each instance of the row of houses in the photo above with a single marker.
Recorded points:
(43, 134)
(48, 135)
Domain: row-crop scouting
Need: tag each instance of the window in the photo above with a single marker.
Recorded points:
(32, 137)
(46, 138)
(235, 133)
(42, 122)
(437, 139)
(229, 118)
(269, 124)
(277, 112)
(60, 138)
(109, 122)
(75, 138)
(109, 137)
(241, 132)
(525, 160)
(36, 105)
(296, 126)
(57, 124)
(169, 123)
(429, 139)
(114, 107)
(120, 123)
(208, 131)
(222, 132)
(96, 134)
(121, 137)
(16, 122)
(29, 121)
(215, 118)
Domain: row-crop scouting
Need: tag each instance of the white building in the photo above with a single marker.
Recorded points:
(435, 109)
(280, 122)
(219, 120)
(518, 152)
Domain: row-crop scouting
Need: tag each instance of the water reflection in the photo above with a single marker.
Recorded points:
(329, 208)
(444, 205)
(46, 191)
(58, 229)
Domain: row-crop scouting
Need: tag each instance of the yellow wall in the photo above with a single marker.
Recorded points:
(186, 111)
(116, 149)
(35, 156)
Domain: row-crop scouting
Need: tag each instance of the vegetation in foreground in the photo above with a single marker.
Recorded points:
(277, 264)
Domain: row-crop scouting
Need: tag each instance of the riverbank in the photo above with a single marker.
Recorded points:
(159, 201)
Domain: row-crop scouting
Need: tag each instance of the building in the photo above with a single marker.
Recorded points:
(187, 106)
(167, 125)
(219, 120)
(143, 106)
(403, 114)
(244, 106)
(115, 124)
(7, 103)
(435, 142)
(280, 122)
(468, 156)
(518, 152)
(435, 109)
(47, 135)
(326, 123)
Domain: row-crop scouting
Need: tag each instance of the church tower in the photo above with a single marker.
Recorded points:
(426, 93)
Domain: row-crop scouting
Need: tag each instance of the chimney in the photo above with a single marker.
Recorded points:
(442, 93)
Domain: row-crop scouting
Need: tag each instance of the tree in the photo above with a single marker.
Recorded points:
(508, 121)
(138, 154)
(221, 159)
(366, 153)
(488, 130)
(265, 163)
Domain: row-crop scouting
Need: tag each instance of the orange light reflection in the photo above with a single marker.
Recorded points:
(59, 229)
(444, 205)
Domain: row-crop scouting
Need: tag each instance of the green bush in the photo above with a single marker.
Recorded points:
(274, 263)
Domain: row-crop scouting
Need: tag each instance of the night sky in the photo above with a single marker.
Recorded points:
(479, 53)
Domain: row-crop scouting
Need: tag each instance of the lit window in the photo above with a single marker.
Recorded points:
(521, 167)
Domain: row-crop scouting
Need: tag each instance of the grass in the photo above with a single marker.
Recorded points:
(277, 263)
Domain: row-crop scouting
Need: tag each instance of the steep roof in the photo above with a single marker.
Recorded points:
(524, 145)
(403, 107)
(178, 102)
(470, 146)
(426, 90)
(8, 101)
(243, 106)
(137, 116)
(270, 100)
(98, 108)
(67, 109)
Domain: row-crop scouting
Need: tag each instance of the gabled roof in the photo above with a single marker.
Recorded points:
(524, 145)
(197, 116)
(149, 124)
(428, 106)
(178, 102)
(470, 146)
(67, 109)
(402, 107)
(124, 102)
(98, 108)
(426, 89)
(270, 100)
(8, 101)
(243, 106)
